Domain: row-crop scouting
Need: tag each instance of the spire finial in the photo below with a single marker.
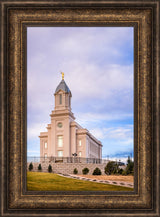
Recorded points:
(62, 75)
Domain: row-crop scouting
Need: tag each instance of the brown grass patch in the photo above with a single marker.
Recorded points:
(111, 177)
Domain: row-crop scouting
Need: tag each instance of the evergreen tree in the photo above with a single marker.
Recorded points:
(130, 166)
(39, 167)
(49, 168)
(30, 166)
(97, 171)
(111, 168)
(85, 171)
(75, 171)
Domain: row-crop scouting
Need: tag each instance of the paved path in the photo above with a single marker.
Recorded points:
(120, 183)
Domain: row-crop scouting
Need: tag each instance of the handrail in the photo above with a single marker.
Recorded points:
(66, 160)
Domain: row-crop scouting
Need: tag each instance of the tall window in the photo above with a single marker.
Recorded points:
(60, 99)
(80, 142)
(80, 154)
(45, 144)
(45, 155)
(69, 101)
(60, 141)
(60, 153)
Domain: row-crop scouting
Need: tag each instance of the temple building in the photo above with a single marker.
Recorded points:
(64, 136)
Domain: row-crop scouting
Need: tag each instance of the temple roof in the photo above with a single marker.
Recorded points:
(63, 86)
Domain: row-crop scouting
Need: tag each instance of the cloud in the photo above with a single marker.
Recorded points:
(90, 81)
(81, 43)
(32, 151)
(122, 156)
(123, 134)
(90, 74)
(85, 118)
(89, 89)
(117, 141)
(33, 130)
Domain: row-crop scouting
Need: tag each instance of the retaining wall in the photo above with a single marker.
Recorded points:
(67, 168)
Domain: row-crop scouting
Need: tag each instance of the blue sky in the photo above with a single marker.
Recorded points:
(98, 67)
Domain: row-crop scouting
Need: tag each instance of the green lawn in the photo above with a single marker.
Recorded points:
(38, 181)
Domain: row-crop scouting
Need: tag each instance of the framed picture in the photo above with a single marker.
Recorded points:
(18, 19)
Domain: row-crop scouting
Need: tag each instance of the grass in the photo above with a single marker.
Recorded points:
(38, 181)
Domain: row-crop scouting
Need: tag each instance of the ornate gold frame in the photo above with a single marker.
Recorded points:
(144, 17)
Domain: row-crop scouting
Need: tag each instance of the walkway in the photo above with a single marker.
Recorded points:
(120, 183)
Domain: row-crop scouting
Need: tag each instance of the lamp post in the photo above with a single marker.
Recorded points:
(74, 155)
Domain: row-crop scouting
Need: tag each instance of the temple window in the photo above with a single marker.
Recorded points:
(60, 141)
(60, 99)
(80, 143)
(45, 156)
(60, 153)
(45, 144)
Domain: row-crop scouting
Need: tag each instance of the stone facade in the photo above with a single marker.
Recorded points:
(64, 136)
(67, 168)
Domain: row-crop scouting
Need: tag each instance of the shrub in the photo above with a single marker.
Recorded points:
(115, 171)
(39, 167)
(75, 171)
(110, 168)
(124, 173)
(97, 171)
(120, 171)
(49, 168)
(85, 171)
(30, 166)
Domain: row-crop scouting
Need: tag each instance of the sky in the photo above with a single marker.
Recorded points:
(98, 68)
